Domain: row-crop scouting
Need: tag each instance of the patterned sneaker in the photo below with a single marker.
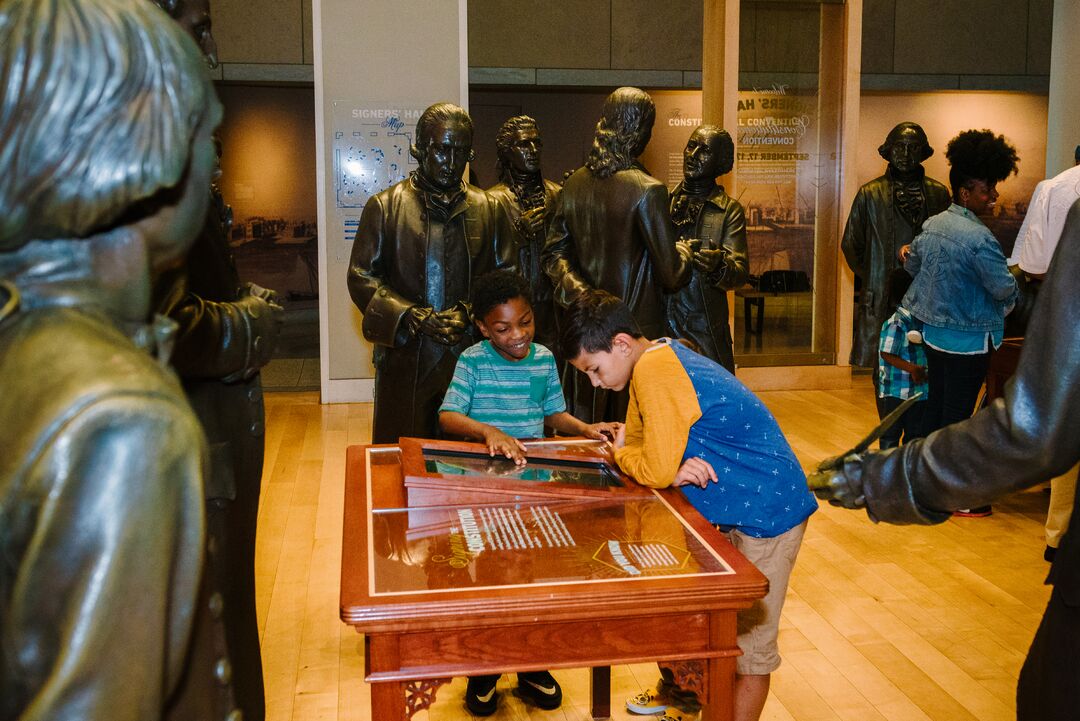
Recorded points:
(646, 703)
(480, 696)
(980, 512)
(540, 688)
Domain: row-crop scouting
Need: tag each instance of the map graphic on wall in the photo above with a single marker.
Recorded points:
(371, 153)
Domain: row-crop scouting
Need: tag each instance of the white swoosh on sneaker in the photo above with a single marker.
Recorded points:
(547, 691)
(486, 697)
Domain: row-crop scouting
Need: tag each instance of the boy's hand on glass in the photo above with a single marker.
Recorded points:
(502, 444)
(696, 471)
(602, 431)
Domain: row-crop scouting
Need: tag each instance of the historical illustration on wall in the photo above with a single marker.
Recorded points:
(268, 177)
(775, 168)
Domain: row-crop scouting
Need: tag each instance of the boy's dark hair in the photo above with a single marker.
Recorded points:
(592, 321)
(979, 155)
(495, 288)
(896, 285)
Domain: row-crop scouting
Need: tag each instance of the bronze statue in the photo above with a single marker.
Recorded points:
(702, 211)
(525, 199)
(887, 213)
(228, 331)
(194, 17)
(419, 245)
(611, 230)
(1027, 437)
(105, 130)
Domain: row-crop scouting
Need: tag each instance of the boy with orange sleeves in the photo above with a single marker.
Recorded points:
(691, 424)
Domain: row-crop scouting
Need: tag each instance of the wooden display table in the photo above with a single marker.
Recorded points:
(454, 564)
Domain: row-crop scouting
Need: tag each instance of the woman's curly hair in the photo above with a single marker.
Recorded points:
(979, 155)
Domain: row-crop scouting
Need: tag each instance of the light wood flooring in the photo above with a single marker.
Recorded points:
(902, 623)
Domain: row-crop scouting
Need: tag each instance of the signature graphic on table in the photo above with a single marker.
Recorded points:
(642, 557)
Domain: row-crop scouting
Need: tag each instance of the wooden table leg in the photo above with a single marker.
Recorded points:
(388, 701)
(720, 684)
(600, 691)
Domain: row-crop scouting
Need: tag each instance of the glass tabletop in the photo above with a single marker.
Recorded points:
(574, 472)
(557, 542)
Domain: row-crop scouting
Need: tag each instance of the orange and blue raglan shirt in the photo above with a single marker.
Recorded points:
(683, 404)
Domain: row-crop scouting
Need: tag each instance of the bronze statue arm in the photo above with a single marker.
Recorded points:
(101, 609)
(727, 265)
(670, 261)
(384, 309)
(559, 260)
(227, 341)
(853, 244)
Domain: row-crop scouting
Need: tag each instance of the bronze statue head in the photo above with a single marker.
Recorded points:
(623, 131)
(194, 17)
(443, 147)
(106, 122)
(709, 153)
(906, 147)
(518, 146)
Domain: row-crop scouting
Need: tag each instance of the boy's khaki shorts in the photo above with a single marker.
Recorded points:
(759, 625)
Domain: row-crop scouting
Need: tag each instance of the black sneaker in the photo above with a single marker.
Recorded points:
(540, 688)
(481, 698)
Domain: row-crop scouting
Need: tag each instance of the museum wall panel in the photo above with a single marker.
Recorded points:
(941, 37)
(261, 31)
(553, 34)
(268, 177)
(878, 35)
(656, 37)
(906, 44)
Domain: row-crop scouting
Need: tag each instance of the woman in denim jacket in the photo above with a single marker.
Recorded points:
(962, 288)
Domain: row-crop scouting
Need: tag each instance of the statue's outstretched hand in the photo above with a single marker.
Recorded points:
(838, 480)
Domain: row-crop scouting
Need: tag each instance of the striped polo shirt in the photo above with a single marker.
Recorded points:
(513, 396)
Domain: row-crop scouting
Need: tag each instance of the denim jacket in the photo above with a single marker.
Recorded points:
(961, 280)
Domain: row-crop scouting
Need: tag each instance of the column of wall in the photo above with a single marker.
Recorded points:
(409, 53)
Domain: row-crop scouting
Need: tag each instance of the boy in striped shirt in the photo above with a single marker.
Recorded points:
(506, 388)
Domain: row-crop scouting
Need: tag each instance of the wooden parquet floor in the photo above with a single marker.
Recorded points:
(896, 623)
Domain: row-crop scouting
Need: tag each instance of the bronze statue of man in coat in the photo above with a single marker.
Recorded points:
(525, 199)
(611, 230)
(108, 114)
(887, 214)
(706, 215)
(419, 245)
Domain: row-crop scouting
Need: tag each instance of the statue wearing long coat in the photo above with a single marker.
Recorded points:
(411, 250)
(614, 234)
(874, 234)
(699, 311)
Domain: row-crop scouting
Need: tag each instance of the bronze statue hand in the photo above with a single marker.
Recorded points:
(710, 260)
(839, 481)
(437, 325)
(270, 296)
(454, 321)
(531, 223)
(686, 248)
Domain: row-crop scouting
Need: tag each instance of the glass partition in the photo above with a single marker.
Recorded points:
(787, 179)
